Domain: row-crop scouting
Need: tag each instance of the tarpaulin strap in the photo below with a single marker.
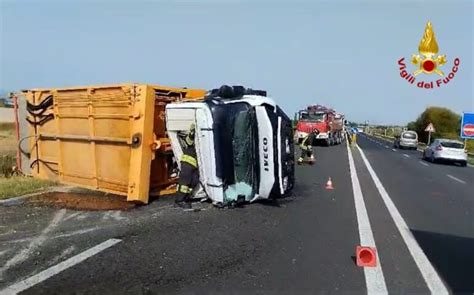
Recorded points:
(41, 121)
(184, 189)
(190, 160)
(46, 103)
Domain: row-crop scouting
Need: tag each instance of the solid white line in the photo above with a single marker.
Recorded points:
(423, 163)
(35, 243)
(374, 277)
(406, 155)
(54, 270)
(432, 279)
(455, 178)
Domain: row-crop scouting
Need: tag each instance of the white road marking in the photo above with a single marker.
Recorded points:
(73, 233)
(72, 215)
(117, 215)
(374, 277)
(394, 150)
(455, 178)
(107, 215)
(35, 243)
(424, 164)
(63, 254)
(3, 252)
(9, 232)
(82, 216)
(405, 155)
(432, 279)
(54, 270)
(386, 147)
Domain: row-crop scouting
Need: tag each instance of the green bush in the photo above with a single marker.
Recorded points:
(446, 123)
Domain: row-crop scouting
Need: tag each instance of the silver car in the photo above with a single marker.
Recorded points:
(446, 150)
(408, 139)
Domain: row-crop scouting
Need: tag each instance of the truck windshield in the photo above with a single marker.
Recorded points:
(318, 117)
(243, 139)
(236, 148)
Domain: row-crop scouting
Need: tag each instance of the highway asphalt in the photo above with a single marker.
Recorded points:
(418, 215)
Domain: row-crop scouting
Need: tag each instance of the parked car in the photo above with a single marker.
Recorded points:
(446, 150)
(6, 102)
(407, 139)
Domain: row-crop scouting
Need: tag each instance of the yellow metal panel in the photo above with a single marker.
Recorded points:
(109, 137)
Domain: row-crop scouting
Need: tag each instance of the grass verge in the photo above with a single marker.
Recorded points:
(470, 160)
(7, 139)
(20, 185)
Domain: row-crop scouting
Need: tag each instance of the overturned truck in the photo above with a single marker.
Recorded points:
(244, 145)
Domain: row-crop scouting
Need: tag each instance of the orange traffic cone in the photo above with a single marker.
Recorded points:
(366, 256)
(329, 184)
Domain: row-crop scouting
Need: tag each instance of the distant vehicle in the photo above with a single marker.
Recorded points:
(407, 139)
(446, 150)
(6, 102)
(327, 121)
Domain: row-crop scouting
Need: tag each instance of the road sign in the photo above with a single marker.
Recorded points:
(430, 128)
(467, 125)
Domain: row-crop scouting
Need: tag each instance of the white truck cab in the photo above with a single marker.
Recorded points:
(244, 144)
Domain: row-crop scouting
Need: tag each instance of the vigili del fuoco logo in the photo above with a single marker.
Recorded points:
(428, 62)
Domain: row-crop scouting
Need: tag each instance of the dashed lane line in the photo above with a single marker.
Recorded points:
(456, 179)
(386, 146)
(54, 270)
(394, 150)
(424, 164)
(432, 279)
(406, 156)
(374, 277)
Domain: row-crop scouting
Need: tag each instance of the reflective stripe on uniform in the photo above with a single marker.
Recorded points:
(184, 189)
(303, 144)
(189, 141)
(190, 160)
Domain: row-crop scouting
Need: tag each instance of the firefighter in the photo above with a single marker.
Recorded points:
(307, 145)
(189, 175)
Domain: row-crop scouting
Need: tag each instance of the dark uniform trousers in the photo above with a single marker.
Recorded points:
(189, 175)
(307, 145)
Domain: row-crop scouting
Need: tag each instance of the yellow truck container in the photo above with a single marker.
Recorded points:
(109, 138)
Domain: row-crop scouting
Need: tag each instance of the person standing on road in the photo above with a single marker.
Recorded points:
(307, 145)
(189, 175)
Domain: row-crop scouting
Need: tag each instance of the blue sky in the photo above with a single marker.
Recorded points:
(339, 53)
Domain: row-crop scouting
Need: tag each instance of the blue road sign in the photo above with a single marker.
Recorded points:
(467, 125)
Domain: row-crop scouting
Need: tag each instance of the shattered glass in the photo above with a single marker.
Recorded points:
(243, 140)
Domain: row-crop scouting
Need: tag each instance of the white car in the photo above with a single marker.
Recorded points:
(446, 150)
(408, 139)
